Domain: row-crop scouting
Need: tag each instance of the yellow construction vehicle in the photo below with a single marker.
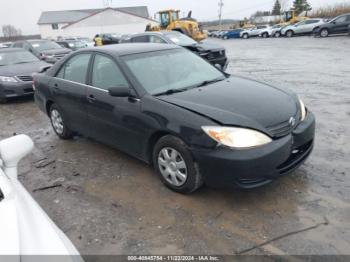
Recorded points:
(170, 20)
(291, 17)
(245, 24)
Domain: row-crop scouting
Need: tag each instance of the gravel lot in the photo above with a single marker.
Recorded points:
(110, 203)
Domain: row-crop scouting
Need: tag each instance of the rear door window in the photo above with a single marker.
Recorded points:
(156, 39)
(140, 39)
(75, 69)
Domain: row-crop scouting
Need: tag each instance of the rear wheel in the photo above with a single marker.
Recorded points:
(245, 36)
(289, 33)
(175, 165)
(265, 35)
(225, 37)
(324, 32)
(277, 34)
(58, 124)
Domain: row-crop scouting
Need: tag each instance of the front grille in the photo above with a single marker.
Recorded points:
(59, 56)
(281, 129)
(25, 78)
(216, 54)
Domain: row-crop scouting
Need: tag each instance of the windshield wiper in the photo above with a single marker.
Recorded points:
(208, 82)
(171, 91)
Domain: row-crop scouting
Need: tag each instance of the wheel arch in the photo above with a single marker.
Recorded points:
(48, 105)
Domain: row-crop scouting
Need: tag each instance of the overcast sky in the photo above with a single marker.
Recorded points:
(24, 14)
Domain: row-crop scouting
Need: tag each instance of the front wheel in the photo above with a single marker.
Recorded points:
(245, 36)
(175, 165)
(289, 33)
(58, 124)
(277, 34)
(265, 35)
(324, 32)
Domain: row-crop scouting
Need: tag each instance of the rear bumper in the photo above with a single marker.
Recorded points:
(225, 167)
(8, 90)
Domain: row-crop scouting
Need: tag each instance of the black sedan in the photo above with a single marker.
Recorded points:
(170, 108)
(215, 54)
(16, 68)
(338, 25)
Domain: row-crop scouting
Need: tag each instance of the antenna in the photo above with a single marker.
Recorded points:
(221, 4)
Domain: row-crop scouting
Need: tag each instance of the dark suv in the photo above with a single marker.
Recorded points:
(338, 25)
(213, 53)
(46, 50)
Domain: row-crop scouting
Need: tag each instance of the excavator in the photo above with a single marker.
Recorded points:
(170, 20)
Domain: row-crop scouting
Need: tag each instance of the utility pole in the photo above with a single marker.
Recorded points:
(221, 4)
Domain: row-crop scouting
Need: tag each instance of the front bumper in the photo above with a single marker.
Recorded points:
(9, 90)
(249, 168)
(222, 61)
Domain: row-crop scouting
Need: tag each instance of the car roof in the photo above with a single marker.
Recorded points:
(128, 49)
(11, 49)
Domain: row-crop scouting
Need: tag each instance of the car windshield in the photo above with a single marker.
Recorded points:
(45, 45)
(173, 70)
(16, 57)
(180, 39)
(76, 44)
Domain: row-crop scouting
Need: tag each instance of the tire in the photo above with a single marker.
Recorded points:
(245, 36)
(175, 165)
(324, 32)
(3, 100)
(289, 33)
(277, 34)
(58, 123)
(265, 35)
(225, 37)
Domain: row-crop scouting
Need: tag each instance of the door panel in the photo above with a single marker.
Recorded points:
(69, 91)
(114, 120)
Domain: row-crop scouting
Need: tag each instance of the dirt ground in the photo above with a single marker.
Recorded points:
(110, 203)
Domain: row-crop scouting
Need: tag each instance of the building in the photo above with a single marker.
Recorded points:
(89, 22)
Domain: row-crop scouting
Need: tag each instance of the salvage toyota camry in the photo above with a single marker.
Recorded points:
(170, 108)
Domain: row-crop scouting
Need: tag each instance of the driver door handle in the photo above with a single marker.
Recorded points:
(91, 98)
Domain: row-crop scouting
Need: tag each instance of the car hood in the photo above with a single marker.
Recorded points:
(239, 102)
(22, 69)
(56, 51)
(205, 47)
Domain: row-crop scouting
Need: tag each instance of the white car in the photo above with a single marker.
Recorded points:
(261, 30)
(25, 228)
(89, 42)
(305, 27)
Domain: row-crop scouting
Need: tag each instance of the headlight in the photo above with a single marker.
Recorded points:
(302, 110)
(236, 137)
(8, 79)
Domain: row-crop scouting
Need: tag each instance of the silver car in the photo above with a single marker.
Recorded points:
(305, 27)
(256, 31)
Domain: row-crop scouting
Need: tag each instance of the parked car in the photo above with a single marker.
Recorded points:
(5, 45)
(211, 33)
(16, 68)
(89, 42)
(170, 108)
(235, 33)
(215, 54)
(110, 39)
(306, 27)
(46, 50)
(276, 30)
(338, 25)
(25, 227)
(254, 32)
(72, 44)
(220, 34)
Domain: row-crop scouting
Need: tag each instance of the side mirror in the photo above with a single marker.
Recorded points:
(43, 69)
(12, 150)
(121, 91)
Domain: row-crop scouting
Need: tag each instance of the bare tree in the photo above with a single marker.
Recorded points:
(10, 32)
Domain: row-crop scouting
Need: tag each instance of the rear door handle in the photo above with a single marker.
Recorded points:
(91, 98)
